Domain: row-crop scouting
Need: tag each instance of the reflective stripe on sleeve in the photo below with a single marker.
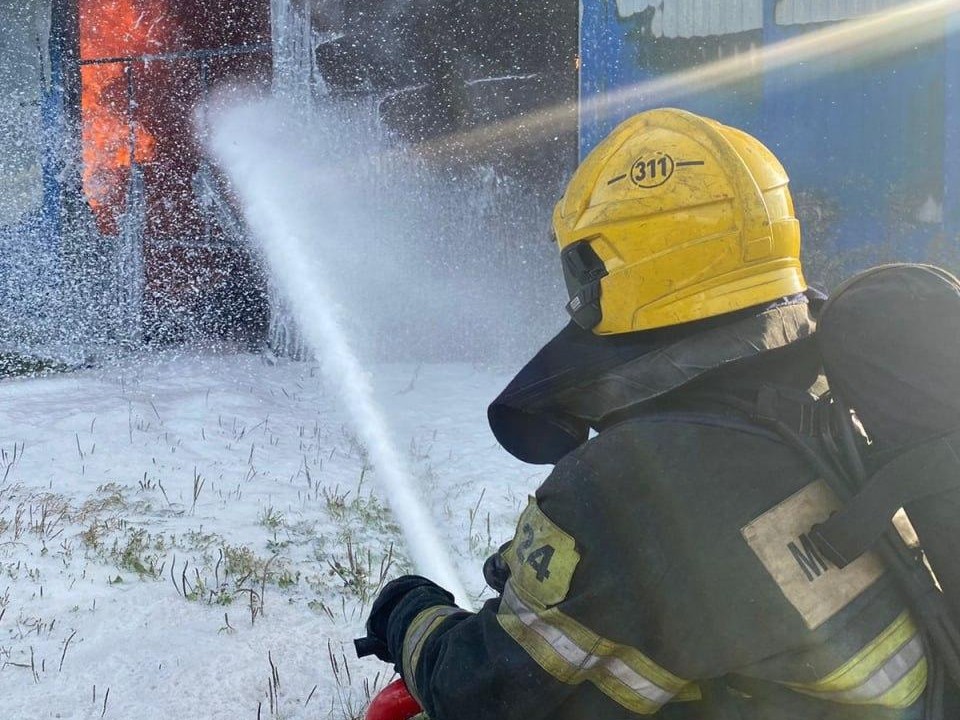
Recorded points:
(416, 636)
(891, 671)
(573, 654)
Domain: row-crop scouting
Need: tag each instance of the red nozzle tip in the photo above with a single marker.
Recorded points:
(394, 702)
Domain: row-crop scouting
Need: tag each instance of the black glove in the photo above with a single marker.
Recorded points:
(495, 569)
(396, 606)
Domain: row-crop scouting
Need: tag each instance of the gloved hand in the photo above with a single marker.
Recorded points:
(414, 593)
(495, 569)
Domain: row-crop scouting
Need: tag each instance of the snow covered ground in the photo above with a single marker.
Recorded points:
(200, 536)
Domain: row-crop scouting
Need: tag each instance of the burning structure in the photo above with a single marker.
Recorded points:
(111, 182)
(113, 224)
(144, 67)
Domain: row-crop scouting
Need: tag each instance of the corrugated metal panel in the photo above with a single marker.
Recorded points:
(627, 8)
(802, 12)
(697, 18)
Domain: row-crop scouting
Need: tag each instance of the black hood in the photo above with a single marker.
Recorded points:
(578, 377)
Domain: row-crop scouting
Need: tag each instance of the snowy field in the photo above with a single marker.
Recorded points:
(201, 536)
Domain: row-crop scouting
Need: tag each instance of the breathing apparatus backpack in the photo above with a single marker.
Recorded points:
(886, 438)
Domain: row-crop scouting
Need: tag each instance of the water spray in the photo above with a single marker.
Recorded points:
(268, 182)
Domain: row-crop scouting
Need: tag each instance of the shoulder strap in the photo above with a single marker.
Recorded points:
(707, 419)
(796, 409)
(932, 468)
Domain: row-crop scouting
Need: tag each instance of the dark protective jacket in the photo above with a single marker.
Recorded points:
(663, 569)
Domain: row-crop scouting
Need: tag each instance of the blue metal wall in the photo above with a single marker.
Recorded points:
(874, 146)
(611, 59)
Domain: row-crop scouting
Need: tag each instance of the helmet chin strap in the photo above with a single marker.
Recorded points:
(583, 269)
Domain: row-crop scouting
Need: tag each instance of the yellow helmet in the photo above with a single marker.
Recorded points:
(674, 218)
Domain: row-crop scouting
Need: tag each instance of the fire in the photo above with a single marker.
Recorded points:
(107, 139)
(113, 137)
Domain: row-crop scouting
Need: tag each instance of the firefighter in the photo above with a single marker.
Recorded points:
(663, 568)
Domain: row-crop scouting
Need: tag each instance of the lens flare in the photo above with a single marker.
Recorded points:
(846, 44)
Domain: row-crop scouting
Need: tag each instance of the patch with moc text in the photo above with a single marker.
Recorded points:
(814, 586)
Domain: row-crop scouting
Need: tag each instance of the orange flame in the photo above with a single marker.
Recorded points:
(112, 136)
